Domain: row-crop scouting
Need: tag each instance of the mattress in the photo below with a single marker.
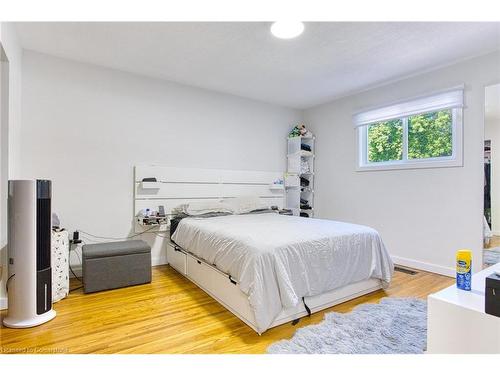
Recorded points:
(279, 259)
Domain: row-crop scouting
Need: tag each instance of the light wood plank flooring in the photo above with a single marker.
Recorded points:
(171, 315)
(494, 242)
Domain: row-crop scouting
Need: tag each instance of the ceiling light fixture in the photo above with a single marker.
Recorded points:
(287, 29)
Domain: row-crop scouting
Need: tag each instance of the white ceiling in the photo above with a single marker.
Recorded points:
(327, 61)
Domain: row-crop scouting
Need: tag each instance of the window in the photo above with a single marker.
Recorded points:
(385, 141)
(430, 135)
(422, 133)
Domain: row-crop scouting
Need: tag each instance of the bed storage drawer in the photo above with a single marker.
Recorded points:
(176, 258)
(204, 275)
(218, 285)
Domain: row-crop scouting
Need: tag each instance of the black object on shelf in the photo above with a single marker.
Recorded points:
(149, 179)
(76, 238)
(304, 181)
(304, 214)
(305, 147)
(492, 295)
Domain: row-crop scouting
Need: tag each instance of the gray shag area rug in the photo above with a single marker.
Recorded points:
(393, 326)
(491, 256)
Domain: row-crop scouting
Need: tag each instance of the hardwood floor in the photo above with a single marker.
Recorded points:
(171, 315)
(494, 242)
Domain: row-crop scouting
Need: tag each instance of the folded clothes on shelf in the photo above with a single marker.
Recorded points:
(304, 214)
(305, 207)
(304, 166)
(305, 147)
(303, 201)
(304, 181)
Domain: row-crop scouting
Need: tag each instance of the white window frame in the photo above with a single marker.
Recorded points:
(455, 160)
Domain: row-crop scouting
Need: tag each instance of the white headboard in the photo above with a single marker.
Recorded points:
(176, 186)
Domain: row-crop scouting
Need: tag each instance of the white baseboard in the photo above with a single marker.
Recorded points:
(3, 303)
(158, 261)
(429, 267)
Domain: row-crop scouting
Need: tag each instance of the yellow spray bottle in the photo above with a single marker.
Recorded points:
(464, 269)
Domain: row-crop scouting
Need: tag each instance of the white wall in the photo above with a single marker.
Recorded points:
(98, 123)
(424, 215)
(85, 127)
(9, 137)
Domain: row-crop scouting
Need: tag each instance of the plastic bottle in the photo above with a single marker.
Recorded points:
(464, 269)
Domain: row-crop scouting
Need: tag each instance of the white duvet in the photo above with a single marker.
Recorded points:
(279, 259)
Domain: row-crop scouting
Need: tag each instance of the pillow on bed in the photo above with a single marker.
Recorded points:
(244, 204)
(199, 208)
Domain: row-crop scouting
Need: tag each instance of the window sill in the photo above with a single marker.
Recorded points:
(424, 164)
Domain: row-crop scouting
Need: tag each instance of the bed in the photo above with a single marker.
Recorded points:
(280, 262)
(267, 269)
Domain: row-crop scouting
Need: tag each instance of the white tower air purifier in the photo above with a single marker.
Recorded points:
(29, 283)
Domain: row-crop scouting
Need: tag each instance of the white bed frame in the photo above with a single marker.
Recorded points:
(175, 186)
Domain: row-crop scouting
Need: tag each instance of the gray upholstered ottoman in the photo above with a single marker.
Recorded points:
(115, 265)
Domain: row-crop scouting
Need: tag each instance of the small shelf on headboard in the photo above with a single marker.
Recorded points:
(150, 185)
(277, 187)
(175, 186)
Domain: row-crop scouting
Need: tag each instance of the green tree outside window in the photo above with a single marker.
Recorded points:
(430, 135)
(385, 141)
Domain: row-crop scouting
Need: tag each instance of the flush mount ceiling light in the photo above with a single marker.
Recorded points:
(287, 29)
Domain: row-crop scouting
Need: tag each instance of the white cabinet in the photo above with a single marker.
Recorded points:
(457, 323)
(299, 179)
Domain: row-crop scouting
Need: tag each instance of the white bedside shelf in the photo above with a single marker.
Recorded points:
(457, 323)
(151, 185)
(277, 187)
